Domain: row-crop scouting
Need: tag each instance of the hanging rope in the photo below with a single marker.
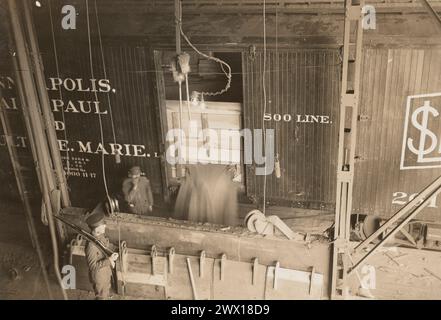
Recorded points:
(264, 103)
(180, 123)
(117, 156)
(96, 99)
(180, 67)
(277, 136)
(120, 255)
(188, 97)
(57, 68)
(113, 215)
(221, 62)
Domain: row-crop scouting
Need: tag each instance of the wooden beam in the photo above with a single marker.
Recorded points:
(395, 230)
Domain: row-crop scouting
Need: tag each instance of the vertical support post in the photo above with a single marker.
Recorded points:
(45, 104)
(161, 113)
(30, 103)
(350, 95)
(30, 95)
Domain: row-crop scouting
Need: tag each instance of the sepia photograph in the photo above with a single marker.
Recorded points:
(233, 151)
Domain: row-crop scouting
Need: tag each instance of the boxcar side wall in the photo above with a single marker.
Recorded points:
(125, 110)
(303, 88)
(399, 138)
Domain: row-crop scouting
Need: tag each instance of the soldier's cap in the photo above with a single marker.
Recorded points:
(95, 220)
(135, 171)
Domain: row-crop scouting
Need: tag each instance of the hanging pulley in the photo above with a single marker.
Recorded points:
(180, 67)
(111, 204)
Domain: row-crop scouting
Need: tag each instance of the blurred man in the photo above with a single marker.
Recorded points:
(208, 194)
(138, 192)
(100, 266)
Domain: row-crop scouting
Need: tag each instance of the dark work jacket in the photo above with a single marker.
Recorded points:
(141, 198)
(100, 269)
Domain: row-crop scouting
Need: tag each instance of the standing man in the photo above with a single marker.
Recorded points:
(138, 192)
(100, 266)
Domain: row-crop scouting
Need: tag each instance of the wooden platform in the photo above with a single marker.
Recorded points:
(238, 244)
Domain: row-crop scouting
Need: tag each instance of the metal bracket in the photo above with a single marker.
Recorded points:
(255, 264)
(79, 239)
(408, 237)
(341, 244)
(348, 100)
(223, 263)
(201, 263)
(276, 274)
(346, 265)
(312, 278)
(73, 243)
(344, 176)
(192, 282)
(122, 267)
(171, 256)
(123, 256)
(153, 254)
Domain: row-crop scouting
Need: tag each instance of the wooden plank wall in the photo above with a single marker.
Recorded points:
(131, 107)
(389, 77)
(299, 82)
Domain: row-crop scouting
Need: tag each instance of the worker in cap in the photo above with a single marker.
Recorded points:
(100, 266)
(138, 192)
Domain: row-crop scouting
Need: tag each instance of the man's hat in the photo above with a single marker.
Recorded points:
(95, 220)
(135, 171)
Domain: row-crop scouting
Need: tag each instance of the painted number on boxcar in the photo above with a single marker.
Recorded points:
(402, 198)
